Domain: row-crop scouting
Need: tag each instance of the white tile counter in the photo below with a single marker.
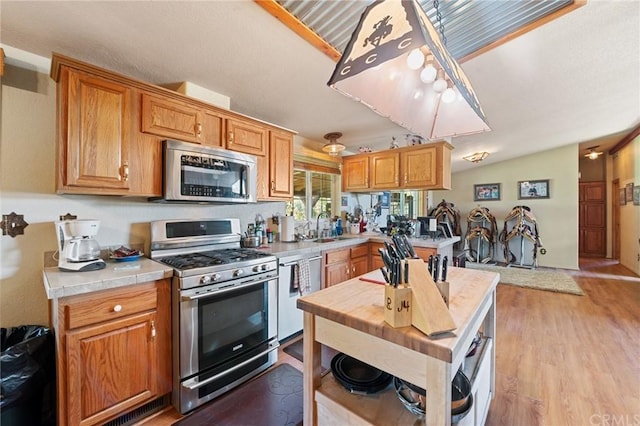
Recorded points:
(116, 274)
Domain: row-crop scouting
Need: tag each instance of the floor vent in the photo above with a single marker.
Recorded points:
(140, 413)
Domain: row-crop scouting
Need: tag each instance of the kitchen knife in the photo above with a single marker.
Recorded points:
(397, 246)
(392, 251)
(430, 267)
(409, 247)
(444, 269)
(384, 275)
(406, 273)
(436, 268)
(385, 258)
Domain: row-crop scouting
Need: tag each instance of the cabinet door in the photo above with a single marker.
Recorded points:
(336, 273)
(281, 165)
(420, 168)
(111, 367)
(243, 136)
(212, 129)
(98, 132)
(355, 173)
(385, 170)
(359, 266)
(170, 118)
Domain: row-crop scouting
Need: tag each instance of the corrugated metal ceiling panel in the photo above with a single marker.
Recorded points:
(469, 25)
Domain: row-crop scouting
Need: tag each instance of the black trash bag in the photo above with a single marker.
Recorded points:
(27, 376)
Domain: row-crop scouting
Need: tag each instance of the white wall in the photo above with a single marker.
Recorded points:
(27, 187)
(557, 217)
(626, 168)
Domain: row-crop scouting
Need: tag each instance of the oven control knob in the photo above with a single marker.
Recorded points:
(205, 279)
(260, 268)
(238, 272)
(215, 277)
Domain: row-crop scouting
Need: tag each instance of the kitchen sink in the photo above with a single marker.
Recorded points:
(330, 239)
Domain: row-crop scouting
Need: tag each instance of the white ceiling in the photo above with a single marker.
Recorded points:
(573, 80)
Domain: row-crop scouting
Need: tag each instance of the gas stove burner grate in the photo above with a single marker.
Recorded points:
(212, 258)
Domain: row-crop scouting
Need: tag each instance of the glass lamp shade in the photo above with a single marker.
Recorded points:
(428, 74)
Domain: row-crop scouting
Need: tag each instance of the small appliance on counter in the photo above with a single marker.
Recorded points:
(78, 250)
(399, 225)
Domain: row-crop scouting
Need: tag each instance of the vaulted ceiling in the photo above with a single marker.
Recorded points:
(575, 79)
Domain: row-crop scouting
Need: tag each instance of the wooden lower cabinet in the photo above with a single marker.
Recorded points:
(343, 264)
(114, 349)
(376, 261)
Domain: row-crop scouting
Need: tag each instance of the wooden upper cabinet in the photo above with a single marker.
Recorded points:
(385, 169)
(417, 167)
(95, 131)
(247, 137)
(355, 173)
(281, 164)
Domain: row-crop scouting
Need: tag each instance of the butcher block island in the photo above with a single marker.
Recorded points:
(349, 317)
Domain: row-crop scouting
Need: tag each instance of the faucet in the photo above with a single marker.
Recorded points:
(318, 223)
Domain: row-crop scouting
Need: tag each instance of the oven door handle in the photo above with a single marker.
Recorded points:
(294, 263)
(198, 384)
(220, 291)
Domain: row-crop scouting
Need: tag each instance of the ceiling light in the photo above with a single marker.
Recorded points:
(449, 95)
(476, 157)
(429, 73)
(593, 154)
(334, 147)
(391, 33)
(415, 59)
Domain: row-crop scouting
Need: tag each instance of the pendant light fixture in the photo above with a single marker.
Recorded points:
(593, 154)
(397, 64)
(476, 157)
(334, 147)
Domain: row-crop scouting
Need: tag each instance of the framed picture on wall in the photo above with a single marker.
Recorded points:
(629, 192)
(531, 189)
(622, 196)
(636, 195)
(486, 192)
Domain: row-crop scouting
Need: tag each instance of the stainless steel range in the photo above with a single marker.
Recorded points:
(224, 307)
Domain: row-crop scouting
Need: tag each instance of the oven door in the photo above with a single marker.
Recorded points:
(218, 325)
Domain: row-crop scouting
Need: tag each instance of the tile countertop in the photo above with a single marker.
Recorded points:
(116, 274)
(282, 249)
(119, 274)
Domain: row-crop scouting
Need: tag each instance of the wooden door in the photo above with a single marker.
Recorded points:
(250, 138)
(98, 132)
(111, 367)
(355, 173)
(385, 170)
(592, 222)
(281, 165)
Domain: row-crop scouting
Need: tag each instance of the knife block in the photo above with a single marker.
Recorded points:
(397, 306)
(443, 288)
(429, 312)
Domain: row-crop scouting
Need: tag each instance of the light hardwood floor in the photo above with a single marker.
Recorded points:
(562, 360)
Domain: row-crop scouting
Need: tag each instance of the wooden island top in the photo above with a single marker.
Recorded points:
(349, 317)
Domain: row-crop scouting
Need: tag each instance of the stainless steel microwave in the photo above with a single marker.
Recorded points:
(196, 173)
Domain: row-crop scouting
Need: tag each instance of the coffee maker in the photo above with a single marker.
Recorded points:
(78, 249)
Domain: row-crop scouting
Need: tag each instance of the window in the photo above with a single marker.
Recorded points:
(313, 193)
(407, 203)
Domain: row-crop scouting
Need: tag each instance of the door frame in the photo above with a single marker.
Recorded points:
(615, 219)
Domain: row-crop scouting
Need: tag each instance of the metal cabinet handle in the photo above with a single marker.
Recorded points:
(230, 138)
(198, 129)
(125, 171)
(273, 185)
(117, 308)
(153, 330)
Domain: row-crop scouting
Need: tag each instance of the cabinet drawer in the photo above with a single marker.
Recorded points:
(109, 305)
(361, 250)
(337, 256)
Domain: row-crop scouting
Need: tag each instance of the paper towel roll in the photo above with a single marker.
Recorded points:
(288, 229)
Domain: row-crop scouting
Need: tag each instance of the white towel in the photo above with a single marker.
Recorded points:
(303, 274)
